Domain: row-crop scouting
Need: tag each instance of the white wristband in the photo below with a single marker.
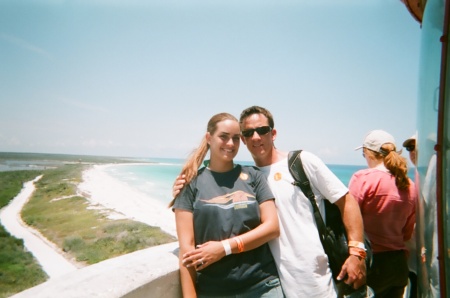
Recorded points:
(227, 247)
(357, 244)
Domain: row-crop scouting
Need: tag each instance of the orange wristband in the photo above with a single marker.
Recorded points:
(240, 244)
(356, 251)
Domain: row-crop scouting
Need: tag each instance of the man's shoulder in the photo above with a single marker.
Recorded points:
(304, 153)
(310, 158)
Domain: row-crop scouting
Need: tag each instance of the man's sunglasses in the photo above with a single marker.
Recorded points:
(410, 148)
(262, 130)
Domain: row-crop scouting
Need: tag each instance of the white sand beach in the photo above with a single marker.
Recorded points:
(103, 190)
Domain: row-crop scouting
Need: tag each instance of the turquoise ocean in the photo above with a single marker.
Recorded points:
(156, 178)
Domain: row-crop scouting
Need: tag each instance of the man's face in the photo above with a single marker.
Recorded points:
(259, 145)
(412, 151)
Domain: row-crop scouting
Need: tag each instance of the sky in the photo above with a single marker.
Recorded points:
(142, 78)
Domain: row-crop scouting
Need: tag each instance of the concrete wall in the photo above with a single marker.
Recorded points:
(151, 272)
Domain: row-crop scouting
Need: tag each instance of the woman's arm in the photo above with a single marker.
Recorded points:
(268, 229)
(212, 251)
(185, 231)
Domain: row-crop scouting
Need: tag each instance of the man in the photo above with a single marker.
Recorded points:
(410, 146)
(298, 252)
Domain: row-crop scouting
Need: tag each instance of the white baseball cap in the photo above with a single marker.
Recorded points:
(375, 139)
(409, 141)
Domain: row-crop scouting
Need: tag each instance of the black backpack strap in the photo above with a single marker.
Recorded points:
(299, 175)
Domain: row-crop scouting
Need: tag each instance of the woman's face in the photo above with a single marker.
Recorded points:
(225, 141)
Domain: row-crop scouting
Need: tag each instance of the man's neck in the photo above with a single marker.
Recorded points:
(274, 156)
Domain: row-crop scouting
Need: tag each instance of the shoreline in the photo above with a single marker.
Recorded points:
(122, 201)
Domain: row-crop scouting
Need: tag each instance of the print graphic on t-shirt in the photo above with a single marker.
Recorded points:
(277, 176)
(237, 200)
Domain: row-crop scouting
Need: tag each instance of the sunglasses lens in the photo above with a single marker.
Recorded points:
(410, 148)
(248, 133)
(260, 130)
(263, 130)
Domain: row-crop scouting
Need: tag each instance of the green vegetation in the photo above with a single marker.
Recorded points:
(61, 215)
(113, 239)
(12, 182)
(18, 269)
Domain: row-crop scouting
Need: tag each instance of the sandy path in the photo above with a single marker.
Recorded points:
(52, 262)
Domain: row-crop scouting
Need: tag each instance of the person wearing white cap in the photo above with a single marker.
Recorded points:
(426, 225)
(410, 146)
(387, 199)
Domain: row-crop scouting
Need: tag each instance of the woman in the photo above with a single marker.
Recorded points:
(387, 199)
(224, 216)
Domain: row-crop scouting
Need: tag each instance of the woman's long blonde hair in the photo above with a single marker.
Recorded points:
(195, 159)
(394, 162)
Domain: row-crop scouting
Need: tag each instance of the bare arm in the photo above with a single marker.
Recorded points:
(266, 231)
(351, 216)
(185, 231)
(212, 251)
(353, 271)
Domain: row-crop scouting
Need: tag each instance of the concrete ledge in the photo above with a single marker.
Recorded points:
(151, 272)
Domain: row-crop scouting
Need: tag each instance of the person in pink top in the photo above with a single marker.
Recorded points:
(387, 199)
